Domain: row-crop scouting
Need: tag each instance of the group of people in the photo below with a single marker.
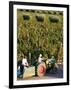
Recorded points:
(25, 64)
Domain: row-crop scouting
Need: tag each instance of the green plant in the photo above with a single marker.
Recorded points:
(39, 33)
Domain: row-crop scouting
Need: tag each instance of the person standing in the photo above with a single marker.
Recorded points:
(25, 62)
(40, 58)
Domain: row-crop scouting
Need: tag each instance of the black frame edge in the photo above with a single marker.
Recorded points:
(10, 44)
(38, 4)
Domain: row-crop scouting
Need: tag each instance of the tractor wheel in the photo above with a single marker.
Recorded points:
(41, 69)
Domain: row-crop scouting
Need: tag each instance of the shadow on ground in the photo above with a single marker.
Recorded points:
(57, 73)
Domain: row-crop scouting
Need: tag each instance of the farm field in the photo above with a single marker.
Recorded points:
(40, 32)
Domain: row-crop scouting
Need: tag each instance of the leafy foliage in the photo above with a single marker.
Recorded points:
(39, 37)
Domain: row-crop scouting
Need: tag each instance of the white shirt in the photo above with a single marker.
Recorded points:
(24, 62)
(40, 59)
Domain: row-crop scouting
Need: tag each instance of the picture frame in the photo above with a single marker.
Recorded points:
(15, 11)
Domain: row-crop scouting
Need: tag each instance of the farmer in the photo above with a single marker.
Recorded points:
(20, 70)
(25, 62)
(40, 58)
(53, 62)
